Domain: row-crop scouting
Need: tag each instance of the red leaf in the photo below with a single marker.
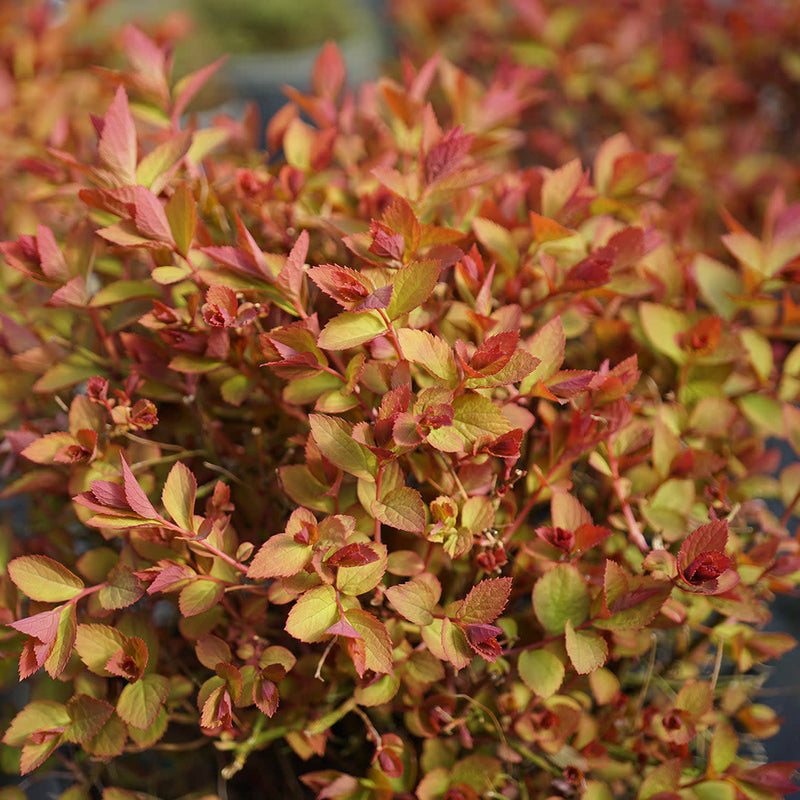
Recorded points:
(386, 243)
(560, 538)
(52, 259)
(494, 353)
(117, 146)
(346, 286)
(33, 655)
(109, 494)
(168, 577)
(221, 306)
(265, 696)
(355, 554)
(291, 274)
(42, 626)
(190, 85)
(776, 777)
(483, 640)
(592, 271)
(134, 494)
(713, 536)
(151, 218)
(344, 628)
(485, 601)
(329, 72)
(446, 156)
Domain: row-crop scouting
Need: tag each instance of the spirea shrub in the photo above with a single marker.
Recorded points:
(381, 463)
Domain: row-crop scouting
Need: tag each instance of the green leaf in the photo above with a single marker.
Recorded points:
(109, 741)
(662, 326)
(402, 508)
(541, 671)
(561, 596)
(67, 372)
(632, 600)
(304, 489)
(498, 240)
(416, 599)
(724, 746)
(765, 413)
(477, 416)
(146, 738)
(167, 275)
(87, 715)
(334, 437)
(587, 650)
(376, 641)
(44, 449)
(61, 650)
(748, 250)
(430, 352)
(153, 169)
(548, 345)
(199, 595)
(664, 778)
(43, 579)
(485, 601)
(359, 579)
(139, 703)
(412, 284)
(377, 692)
(455, 645)
(38, 715)
(350, 329)
(178, 496)
(280, 557)
(96, 644)
(123, 589)
(34, 754)
(313, 613)
(718, 790)
(122, 291)
(718, 284)
(760, 351)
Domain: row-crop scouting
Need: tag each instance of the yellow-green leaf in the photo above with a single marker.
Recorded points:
(412, 284)
(280, 557)
(199, 595)
(477, 416)
(43, 579)
(140, 702)
(359, 579)
(182, 217)
(561, 596)
(402, 508)
(122, 590)
(350, 329)
(541, 671)
(312, 614)
(334, 437)
(95, 644)
(87, 715)
(376, 641)
(179, 495)
(587, 649)
(38, 715)
(455, 645)
(429, 352)
(416, 599)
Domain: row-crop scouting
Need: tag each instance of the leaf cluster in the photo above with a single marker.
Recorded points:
(383, 448)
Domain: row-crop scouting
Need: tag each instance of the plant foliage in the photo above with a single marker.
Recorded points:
(383, 449)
